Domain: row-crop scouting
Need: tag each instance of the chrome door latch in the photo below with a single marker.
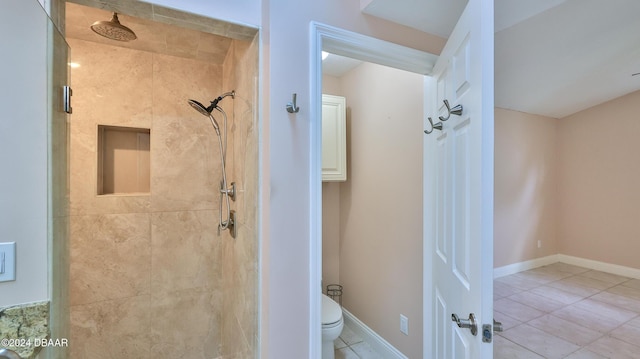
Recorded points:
(466, 323)
(487, 331)
(66, 99)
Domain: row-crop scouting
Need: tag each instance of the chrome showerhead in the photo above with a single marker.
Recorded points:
(200, 107)
(207, 112)
(113, 29)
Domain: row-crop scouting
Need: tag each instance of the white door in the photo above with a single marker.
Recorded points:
(458, 190)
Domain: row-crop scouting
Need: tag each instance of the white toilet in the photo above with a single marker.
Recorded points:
(332, 324)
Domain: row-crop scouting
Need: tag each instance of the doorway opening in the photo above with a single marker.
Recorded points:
(355, 46)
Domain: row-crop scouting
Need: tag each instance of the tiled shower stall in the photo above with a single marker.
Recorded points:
(150, 276)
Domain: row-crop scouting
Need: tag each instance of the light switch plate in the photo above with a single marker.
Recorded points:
(7, 261)
(404, 325)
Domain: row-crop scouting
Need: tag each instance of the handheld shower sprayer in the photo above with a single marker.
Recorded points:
(226, 192)
(206, 111)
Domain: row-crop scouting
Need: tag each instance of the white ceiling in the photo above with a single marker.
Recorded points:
(574, 56)
(432, 16)
(552, 57)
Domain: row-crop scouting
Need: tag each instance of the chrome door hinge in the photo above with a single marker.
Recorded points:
(66, 99)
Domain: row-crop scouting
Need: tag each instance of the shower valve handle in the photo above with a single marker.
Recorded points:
(231, 191)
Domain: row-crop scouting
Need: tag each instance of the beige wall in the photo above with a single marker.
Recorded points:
(331, 207)
(331, 85)
(526, 187)
(377, 212)
(600, 173)
(571, 183)
(149, 275)
(330, 234)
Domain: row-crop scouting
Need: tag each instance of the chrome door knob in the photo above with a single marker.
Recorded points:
(466, 323)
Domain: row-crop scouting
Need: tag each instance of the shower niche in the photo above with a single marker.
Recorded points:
(123, 160)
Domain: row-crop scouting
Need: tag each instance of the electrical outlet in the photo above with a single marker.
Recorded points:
(539, 244)
(404, 324)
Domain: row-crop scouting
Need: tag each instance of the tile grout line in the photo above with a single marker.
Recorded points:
(518, 344)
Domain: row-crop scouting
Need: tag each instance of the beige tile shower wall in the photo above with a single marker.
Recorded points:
(600, 173)
(239, 256)
(526, 187)
(145, 273)
(112, 86)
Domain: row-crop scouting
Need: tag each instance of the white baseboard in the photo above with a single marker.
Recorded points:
(523, 266)
(581, 262)
(372, 338)
(601, 266)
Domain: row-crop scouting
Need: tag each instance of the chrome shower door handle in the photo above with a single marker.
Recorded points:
(466, 323)
(66, 99)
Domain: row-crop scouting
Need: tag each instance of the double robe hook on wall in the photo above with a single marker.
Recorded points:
(456, 110)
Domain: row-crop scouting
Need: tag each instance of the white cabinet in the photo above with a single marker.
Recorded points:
(334, 138)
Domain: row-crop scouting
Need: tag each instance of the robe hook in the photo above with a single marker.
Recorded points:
(456, 110)
(437, 126)
(291, 106)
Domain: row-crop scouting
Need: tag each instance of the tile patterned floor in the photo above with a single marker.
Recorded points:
(563, 311)
(556, 311)
(350, 346)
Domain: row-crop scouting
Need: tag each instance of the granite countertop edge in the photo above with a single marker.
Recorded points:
(23, 326)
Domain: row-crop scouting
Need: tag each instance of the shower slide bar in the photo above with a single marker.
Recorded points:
(227, 192)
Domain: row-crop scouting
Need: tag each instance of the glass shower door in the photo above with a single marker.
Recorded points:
(58, 107)
(33, 167)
